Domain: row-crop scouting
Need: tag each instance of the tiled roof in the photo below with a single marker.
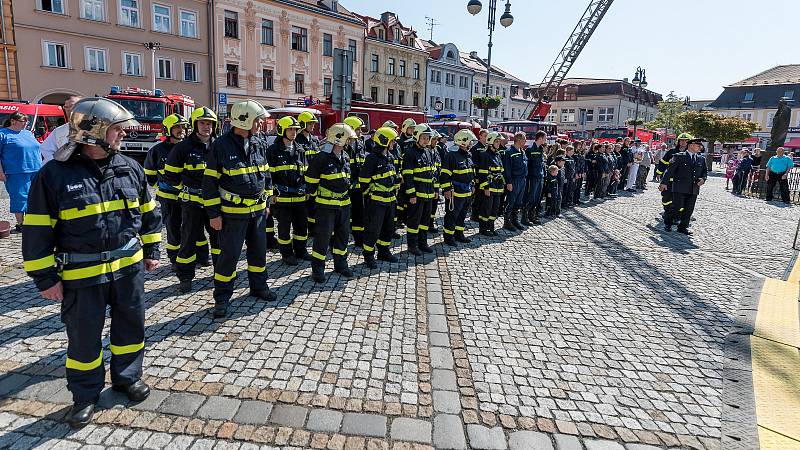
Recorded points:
(786, 74)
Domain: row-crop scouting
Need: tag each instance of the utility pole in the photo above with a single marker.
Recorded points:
(153, 46)
(431, 24)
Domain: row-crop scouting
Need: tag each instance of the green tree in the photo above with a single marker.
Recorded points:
(715, 128)
(668, 111)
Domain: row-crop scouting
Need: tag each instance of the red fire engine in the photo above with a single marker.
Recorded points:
(149, 108)
(610, 134)
(42, 119)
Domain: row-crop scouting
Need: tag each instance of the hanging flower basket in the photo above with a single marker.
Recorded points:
(486, 102)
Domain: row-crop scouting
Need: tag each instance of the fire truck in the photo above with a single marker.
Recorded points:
(149, 108)
(610, 134)
(42, 119)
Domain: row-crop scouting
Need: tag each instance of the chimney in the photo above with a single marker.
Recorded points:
(624, 80)
(385, 17)
(473, 54)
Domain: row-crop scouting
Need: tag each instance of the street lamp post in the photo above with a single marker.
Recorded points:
(153, 46)
(474, 7)
(640, 81)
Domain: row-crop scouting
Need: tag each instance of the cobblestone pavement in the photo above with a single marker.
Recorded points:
(593, 331)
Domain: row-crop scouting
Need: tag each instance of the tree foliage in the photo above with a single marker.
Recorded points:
(668, 111)
(715, 127)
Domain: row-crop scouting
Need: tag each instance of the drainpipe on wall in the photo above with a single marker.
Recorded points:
(212, 66)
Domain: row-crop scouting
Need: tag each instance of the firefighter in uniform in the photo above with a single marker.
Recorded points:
(175, 130)
(456, 182)
(356, 153)
(328, 181)
(394, 151)
(310, 145)
(405, 139)
(379, 178)
(515, 165)
(287, 165)
(90, 232)
(476, 152)
(437, 163)
(663, 165)
(184, 171)
(419, 185)
(236, 191)
(491, 183)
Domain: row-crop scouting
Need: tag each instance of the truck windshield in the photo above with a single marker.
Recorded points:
(611, 134)
(144, 110)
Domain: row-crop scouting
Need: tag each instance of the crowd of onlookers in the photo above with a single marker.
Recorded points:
(743, 172)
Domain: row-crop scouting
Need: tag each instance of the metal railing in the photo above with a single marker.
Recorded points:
(757, 187)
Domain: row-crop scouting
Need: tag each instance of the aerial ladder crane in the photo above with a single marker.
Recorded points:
(576, 41)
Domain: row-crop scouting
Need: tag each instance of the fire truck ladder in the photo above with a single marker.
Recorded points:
(572, 49)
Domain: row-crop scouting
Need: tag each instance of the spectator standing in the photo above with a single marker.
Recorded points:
(662, 150)
(59, 136)
(778, 168)
(644, 168)
(633, 165)
(742, 172)
(755, 173)
(730, 170)
(19, 161)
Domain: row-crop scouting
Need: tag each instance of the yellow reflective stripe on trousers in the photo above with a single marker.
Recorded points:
(126, 349)
(336, 251)
(39, 264)
(99, 269)
(42, 220)
(84, 367)
(201, 243)
(188, 260)
(172, 247)
(97, 208)
(256, 269)
(223, 278)
(151, 238)
(318, 255)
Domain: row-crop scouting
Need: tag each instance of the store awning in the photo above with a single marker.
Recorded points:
(792, 143)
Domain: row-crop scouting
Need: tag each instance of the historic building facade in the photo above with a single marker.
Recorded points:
(449, 81)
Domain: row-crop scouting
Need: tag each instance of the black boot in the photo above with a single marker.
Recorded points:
(461, 238)
(491, 225)
(344, 271)
(300, 252)
(508, 224)
(184, 287)
(450, 239)
(526, 221)
(515, 220)
(81, 414)
(385, 255)
(369, 260)
(136, 391)
(534, 216)
(318, 271)
(423, 242)
(221, 310)
(264, 294)
(289, 259)
(484, 228)
(413, 247)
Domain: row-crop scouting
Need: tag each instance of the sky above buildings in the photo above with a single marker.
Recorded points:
(692, 47)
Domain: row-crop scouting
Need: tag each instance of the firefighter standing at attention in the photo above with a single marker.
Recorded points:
(356, 153)
(90, 233)
(458, 175)
(236, 191)
(310, 145)
(175, 129)
(419, 186)
(183, 171)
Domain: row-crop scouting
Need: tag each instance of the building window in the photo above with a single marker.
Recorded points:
(96, 59)
(449, 79)
(590, 115)
(267, 29)
(551, 117)
(390, 67)
(162, 18)
(390, 96)
(401, 97)
(436, 76)
(476, 88)
(789, 95)
(55, 54)
(374, 63)
(415, 99)
(747, 116)
(267, 80)
(188, 24)
(568, 115)
(231, 24)
(190, 71)
(93, 10)
(416, 71)
(748, 97)
(397, 35)
(300, 39)
(327, 44)
(232, 75)
(299, 83)
(129, 13)
(373, 93)
(132, 64)
(164, 68)
(605, 114)
(353, 47)
(53, 6)
(402, 68)
(381, 34)
(327, 86)
(504, 92)
(497, 90)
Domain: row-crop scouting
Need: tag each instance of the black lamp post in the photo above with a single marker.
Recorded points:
(640, 81)
(153, 46)
(474, 7)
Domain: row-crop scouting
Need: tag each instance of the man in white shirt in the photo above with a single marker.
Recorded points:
(636, 158)
(58, 137)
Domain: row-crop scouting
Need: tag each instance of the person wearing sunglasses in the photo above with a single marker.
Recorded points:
(19, 161)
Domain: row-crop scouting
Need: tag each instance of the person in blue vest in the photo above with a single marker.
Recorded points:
(515, 170)
(778, 168)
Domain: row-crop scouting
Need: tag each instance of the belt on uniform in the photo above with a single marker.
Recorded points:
(283, 189)
(164, 187)
(126, 251)
(237, 199)
(186, 193)
(327, 193)
(467, 187)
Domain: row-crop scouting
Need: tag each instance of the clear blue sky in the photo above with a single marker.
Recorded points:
(692, 47)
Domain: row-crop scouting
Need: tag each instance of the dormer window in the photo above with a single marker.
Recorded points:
(451, 55)
(397, 35)
(381, 34)
(748, 97)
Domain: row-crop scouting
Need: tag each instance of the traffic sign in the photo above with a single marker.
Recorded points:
(223, 98)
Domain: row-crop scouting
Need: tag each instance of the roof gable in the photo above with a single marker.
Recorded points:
(785, 74)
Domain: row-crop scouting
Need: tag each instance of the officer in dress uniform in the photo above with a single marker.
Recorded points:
(491, 183)
(535, 178)
(457, 184)
(515, 167)
(328, 181)
(419, 186)
(356, 153)
(687, 173)
(236, 190)
(287, 166)
(175, 129)
(663, 165)
(90, 232)
(184, 171)
(378, 177)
